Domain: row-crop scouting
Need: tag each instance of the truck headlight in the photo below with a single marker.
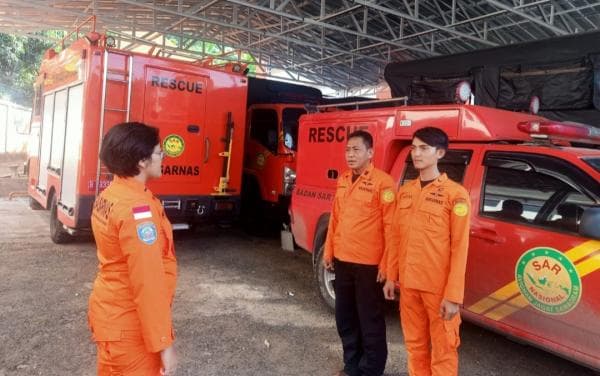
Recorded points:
(289, 180)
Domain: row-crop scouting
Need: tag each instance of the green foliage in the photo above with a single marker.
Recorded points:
(210, 48)
(20, 59)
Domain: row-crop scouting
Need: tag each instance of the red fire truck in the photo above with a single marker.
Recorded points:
(90, 86)
(274, 108)
(534, 275)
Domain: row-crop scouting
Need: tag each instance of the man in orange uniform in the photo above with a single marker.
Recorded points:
(428, 258)
(130, 305)
(355, 248)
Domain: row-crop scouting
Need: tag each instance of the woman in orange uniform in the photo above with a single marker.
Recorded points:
(130, 305)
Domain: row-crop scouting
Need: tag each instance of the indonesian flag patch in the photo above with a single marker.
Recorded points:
(142, 212)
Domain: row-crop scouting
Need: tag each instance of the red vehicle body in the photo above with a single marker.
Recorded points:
(88, 87)
(533, 276)
(274, 109)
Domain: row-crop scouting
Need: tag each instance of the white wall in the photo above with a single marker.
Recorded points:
(14, 127)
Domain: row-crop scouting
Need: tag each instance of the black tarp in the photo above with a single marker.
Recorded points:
(563, 72)
(270, 91)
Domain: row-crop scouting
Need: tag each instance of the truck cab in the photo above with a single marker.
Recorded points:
(270, 155)
(274, 110)
(534, 248)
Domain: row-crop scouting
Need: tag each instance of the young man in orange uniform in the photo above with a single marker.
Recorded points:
(428, 258)
(357, 239)
(130, 305)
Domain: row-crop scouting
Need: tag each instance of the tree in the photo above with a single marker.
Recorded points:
(20, 59)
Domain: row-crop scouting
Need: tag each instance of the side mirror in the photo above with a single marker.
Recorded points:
(589, 226)
(288, 140)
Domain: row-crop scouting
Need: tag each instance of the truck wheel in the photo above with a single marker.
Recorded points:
(34, 205)
(325, 281)
(57, 232)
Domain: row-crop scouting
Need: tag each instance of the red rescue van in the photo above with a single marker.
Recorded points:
(533, 274)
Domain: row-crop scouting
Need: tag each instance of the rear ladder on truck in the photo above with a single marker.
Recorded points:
(116, 83)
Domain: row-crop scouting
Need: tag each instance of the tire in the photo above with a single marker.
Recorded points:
(57, 232)
(34, 205)
(325, 281)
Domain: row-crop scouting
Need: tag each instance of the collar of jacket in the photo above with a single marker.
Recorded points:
(437, 182)
(131, 183)
(366, 173)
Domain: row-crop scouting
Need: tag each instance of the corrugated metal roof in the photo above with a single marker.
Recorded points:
(343, 44)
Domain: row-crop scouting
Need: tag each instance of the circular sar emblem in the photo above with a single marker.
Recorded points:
(388, 196)
(173, 145)
(461, 209)
(548, 280)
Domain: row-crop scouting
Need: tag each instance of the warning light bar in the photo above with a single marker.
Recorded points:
(567, 131)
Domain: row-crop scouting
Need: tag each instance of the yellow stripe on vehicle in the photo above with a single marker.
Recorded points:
(590, 265)
(515, 304)
(504, 299)
(495, 298)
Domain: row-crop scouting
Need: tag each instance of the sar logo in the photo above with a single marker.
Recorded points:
(173, 145)
(388, 196)
(460, 208)
(548, 280)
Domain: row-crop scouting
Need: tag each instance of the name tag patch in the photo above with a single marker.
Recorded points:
(147, 233)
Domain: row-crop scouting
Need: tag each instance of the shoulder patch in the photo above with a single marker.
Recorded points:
(460, 208)
(141, 212)
(388, 196)
(146, 232)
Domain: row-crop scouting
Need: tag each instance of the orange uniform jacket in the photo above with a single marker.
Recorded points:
(361, 218)
(431, 238)
(134, 288)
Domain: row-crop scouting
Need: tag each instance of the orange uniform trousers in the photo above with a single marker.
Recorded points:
(127, 357)
(431, 342)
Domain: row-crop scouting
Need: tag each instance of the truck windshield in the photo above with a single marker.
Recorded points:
(290, 118)
(594, 162)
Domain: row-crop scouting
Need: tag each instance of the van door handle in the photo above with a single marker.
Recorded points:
(487, 234)
(206, 149)
(193, 128)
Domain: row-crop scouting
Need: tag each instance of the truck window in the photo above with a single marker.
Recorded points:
(594, 162)
(290, 117)
(263, 128)
(527, 189)
(454, 164)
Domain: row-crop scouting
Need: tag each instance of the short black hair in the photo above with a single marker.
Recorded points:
(432, 136)
(364, 135)
(125, 144)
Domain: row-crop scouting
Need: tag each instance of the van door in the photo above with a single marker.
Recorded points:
(175, 102)
(529, 271)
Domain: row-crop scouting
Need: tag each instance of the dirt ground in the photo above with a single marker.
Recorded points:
(243, 307)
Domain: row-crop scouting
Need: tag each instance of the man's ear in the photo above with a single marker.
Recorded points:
(370, 152)
(440, 153)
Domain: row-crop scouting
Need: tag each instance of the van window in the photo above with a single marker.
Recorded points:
(594, 162)
(527, 189)
(454, 164)
(263, 128)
